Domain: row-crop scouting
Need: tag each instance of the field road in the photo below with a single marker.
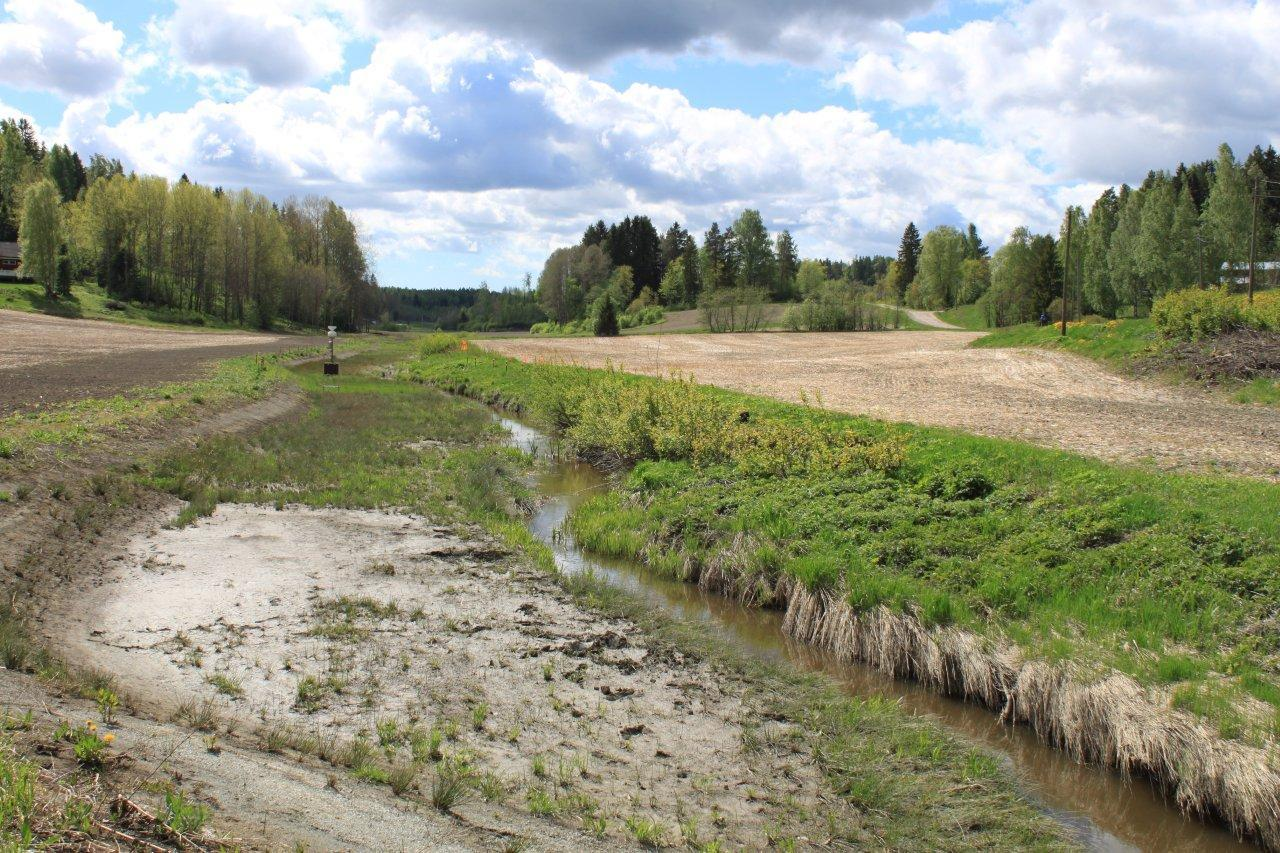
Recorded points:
(1046, 398)
(47, 359)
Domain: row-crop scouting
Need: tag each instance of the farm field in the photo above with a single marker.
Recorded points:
(47, 360)
(1045, 397)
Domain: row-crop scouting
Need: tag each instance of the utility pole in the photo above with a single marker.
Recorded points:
(1253, 237)
(1066, 268)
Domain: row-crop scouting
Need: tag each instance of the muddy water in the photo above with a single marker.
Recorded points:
(1104, 810)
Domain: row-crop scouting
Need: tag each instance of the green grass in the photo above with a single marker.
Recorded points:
(88, 301)
(349, 451)
(1114, 342)
(1120, 344)
(1158, 575)
(85, 422)
(966, 317)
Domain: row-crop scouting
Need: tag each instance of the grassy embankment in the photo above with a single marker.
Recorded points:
(1090, 599)
(88, 301)
(966, 317)
(909, 782)
(1124, 345)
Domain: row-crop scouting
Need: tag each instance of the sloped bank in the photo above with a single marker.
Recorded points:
(1095, 710)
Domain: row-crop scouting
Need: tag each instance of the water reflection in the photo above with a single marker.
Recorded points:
(1105, 811)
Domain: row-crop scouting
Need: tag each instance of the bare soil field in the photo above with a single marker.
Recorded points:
(1046, 398)
(54, 359)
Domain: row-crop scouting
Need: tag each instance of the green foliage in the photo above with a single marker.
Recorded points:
(1070, 556)
(606, 325)
(437, 343)
(834, 307)
(41, 234)
(183, 815)
(1192, 314)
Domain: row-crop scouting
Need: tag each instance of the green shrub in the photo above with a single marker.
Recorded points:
(1264, 313)
(1193, 314)
(437, 343)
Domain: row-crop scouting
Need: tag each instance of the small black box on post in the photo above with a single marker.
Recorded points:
(330, 368)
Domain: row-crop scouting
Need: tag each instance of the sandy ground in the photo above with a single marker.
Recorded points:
(53, 359)
(1047, 398)
(401, 620)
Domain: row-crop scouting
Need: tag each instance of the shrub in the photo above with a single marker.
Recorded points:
(1193, 314)
(437, 343)
(1264, 313)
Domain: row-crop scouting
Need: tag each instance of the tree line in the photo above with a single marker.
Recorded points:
(629, 265)
(470, 309)
(1189, 227)
(199, 249)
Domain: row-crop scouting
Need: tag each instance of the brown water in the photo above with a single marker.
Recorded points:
(1104, 810)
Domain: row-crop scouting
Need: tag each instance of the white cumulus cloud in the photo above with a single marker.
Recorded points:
(1103, 90)
(59, 46)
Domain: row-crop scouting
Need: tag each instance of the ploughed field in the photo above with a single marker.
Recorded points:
(53, 359)
(934, 378)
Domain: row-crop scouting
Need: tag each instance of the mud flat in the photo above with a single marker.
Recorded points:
(340, 626)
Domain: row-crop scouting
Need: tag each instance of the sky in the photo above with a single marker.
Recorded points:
(469, 138)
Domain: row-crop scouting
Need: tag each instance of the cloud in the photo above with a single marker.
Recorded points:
(59, 46)
(464, 144)
(272, 42)
(574, 36)
(1104, 90)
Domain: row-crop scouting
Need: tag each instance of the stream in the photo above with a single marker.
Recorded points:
(1101, 808)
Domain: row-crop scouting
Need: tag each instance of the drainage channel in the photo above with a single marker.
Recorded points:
(1105, 811)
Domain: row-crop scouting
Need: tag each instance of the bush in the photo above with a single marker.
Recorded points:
(734, 309)
(1193, 314)
(834, 308)
(1264, 313)
(437, 343)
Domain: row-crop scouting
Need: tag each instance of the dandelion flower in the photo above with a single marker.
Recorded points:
(93, 727)
(107, 738)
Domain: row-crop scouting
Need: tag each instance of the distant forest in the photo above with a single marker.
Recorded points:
(470, 309)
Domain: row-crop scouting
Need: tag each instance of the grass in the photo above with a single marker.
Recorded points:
(1113, 568)
(1122, 345)
(966, 317)
(88, 301)
(87, 422)
(1113, 342)
(349, 450)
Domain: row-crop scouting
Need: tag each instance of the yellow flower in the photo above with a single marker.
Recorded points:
(93, 727)
(107, 738)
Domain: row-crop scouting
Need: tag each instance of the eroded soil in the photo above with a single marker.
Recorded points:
(337, 625)
(933, 378)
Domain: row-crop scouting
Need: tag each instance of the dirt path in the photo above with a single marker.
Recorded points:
(53, 359)
(927, 318)
(1047, 398)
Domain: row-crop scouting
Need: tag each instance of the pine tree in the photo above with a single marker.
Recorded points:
(788, 265)
(908, 257)
(606, 319)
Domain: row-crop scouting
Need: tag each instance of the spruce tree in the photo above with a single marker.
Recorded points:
(606, 319)
(908, 257)
(974, 248)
